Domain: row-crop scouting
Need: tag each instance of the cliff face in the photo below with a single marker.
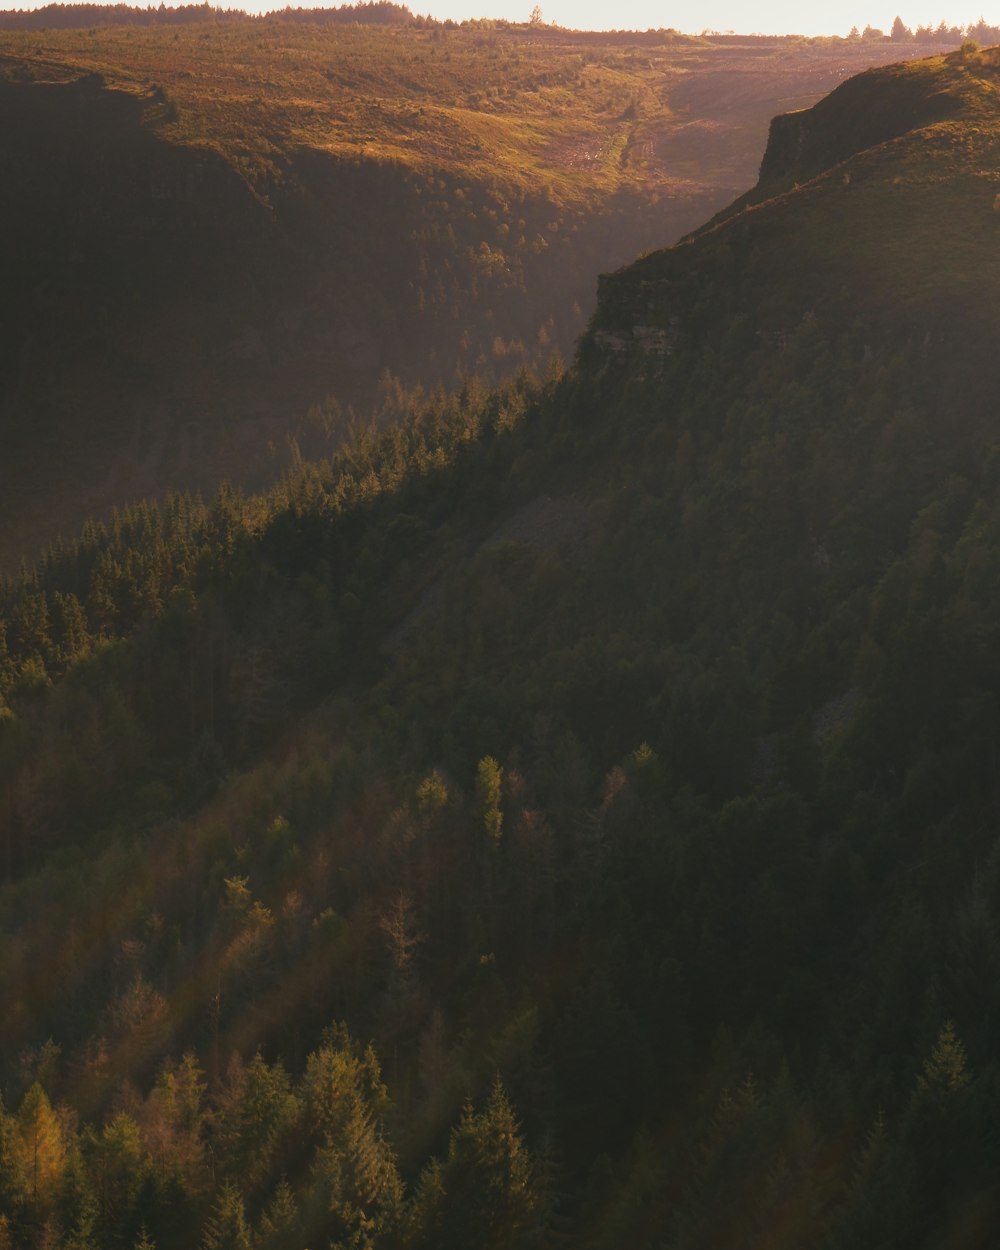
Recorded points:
(870, 109)
(825, 229)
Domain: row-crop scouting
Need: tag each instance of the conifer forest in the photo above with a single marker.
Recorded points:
(499, 635)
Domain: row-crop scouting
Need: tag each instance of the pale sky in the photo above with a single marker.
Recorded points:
(691, 16)
(694, 16)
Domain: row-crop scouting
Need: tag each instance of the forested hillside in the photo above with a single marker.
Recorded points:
(567, 816)
(220, 222)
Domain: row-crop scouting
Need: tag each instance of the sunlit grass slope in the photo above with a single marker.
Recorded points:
(584, 113)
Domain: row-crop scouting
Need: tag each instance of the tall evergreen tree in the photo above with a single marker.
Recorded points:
(488, 1192)
(40, 1147)
(226, 1227)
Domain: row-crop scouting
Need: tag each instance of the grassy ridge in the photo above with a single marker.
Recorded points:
(582, 112)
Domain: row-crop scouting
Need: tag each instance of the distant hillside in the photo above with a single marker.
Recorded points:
(222, 223)
(76, 16)
(568, 815)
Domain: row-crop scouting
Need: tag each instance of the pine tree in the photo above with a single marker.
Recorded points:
(900, 31)
(30, 629)
(944, 1076)
(279, 1219)
(402, 937)
(488, 788)
(356, 1194)
(69, 627)
(120, 1167)
(77, 1207)
(226, 1227)
(173, 1121)
(488, 1193)
(254, 1115)
(5, 661)
(40, 1146)
(14, 1189)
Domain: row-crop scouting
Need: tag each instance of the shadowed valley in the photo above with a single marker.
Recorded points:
(221, 224)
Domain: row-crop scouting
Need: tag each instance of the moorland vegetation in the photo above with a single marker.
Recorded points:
(223, 222)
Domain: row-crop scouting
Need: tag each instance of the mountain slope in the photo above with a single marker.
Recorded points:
(221, 224)
(618, 753)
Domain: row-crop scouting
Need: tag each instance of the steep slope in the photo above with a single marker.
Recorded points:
(618, 753)
(891, 189)
(221, 224)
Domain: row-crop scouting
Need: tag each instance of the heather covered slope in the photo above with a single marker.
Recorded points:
(220, 224)
(617, 753)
